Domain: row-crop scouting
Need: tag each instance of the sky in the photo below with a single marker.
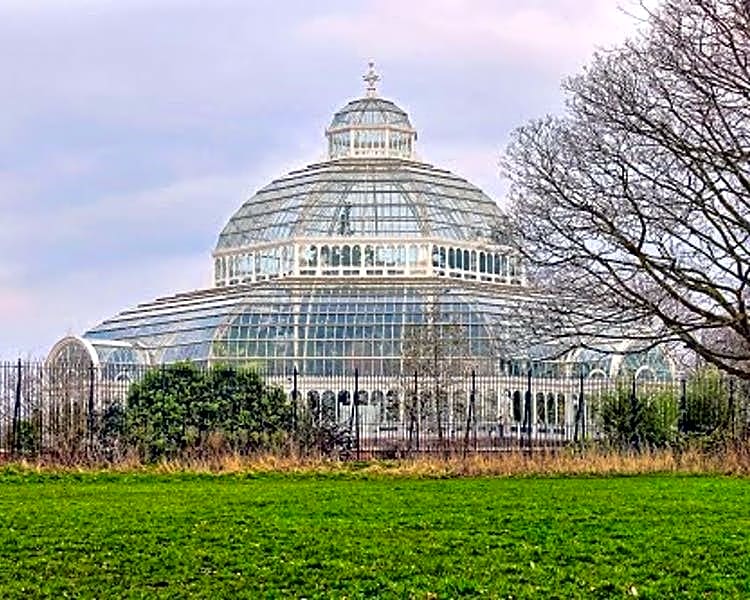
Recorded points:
(131, 130)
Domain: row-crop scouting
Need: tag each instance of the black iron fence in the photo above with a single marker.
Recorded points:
(72, 412)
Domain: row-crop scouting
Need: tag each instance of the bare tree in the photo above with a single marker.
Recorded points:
(633, 209)
(438, 353)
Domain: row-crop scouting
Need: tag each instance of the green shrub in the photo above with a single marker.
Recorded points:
(179, 407)
(641, 420)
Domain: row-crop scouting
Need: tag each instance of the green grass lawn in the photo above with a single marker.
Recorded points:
(179, 536)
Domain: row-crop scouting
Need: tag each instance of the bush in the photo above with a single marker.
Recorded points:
(179, 407)
(638, 421)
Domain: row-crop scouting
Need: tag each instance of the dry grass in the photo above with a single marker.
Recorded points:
(567, 462)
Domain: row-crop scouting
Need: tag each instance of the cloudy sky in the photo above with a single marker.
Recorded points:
(130, 130)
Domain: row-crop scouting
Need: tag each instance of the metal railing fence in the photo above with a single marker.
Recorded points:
(68, 412)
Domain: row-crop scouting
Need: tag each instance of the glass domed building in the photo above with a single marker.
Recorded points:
(341, 265)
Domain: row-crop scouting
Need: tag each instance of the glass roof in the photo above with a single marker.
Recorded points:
(371, 198)
(370, 111)
(319, 329)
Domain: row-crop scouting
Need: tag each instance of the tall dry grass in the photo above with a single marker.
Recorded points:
(567, 462)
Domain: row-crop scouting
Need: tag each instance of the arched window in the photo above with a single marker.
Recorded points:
(467, 261)
(356, 256)
(313, 403)
(389, 255)
(459, 259)
(541, 413)
(561, 409)
(497, 264)
(482, 263)
(473, 261)
(451, 258)
(328, 407)
(344, 397)
(369, 256)
(442, 257)
(377, 399)
(325, 256)
(346, 256)
(413, 254)
(551, 409)
(517, 406)
(312, 256)
(390, 412)
(362, 397)
(335, 256)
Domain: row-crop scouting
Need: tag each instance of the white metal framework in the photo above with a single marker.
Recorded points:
(331, 267)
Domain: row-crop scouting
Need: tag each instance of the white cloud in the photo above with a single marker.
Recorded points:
(551, 35)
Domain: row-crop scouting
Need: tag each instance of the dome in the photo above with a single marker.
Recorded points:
(356, 198)
(370, 111)
(333, 266)
(372, 210)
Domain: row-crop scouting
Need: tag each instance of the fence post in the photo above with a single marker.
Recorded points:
(579, 432)
(470, 413)
(474, 407)
(355, 400)
(527, 411)
(416, 412)
(16, 429)
(90, 413)
(295, 400)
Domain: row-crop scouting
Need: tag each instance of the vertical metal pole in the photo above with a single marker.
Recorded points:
(90, 413)
(473, 407)
(356, 410)
(582, 407)
(17, 412)
(416, 413)
(467, 426)
(295, 393)
(527, 410)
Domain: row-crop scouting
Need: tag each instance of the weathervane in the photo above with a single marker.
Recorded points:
(371, 78)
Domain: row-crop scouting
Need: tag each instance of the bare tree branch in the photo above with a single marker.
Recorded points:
(633, 209)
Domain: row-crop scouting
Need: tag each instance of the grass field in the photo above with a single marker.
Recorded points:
(175, 536)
